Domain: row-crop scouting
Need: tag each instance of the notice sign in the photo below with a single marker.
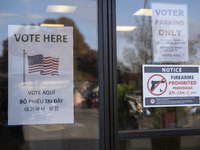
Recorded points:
(170, 32)
(40, 75)
(170, 85)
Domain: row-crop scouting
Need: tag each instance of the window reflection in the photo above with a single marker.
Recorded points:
(85, 130)
(135, 49)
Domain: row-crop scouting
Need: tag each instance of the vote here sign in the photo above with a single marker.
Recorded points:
(170, 85)
(170, 32)
(40, 87)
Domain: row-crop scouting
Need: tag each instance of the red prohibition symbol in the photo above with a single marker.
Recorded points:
(157, 85)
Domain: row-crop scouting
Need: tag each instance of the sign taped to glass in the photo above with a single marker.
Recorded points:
(170, 32)
(40, 75)
(171, 85)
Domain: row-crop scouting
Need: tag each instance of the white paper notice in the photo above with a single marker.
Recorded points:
(170, 32)
(40, 75)
(171, 85)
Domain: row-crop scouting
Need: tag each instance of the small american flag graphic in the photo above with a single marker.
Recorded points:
(44, 65)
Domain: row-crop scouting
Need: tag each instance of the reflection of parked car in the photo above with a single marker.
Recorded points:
(90, 97)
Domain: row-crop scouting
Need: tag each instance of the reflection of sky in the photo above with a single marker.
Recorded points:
(125, 17)
(28, 12)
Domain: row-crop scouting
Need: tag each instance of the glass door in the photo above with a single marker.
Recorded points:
(55, 104)
(158, 74)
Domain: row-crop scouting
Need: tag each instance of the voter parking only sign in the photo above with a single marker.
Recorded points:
(171, 85)
(170, 32)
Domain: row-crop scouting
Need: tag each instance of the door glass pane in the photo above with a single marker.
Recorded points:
(136, 47)
(83, 134)
(144, 37)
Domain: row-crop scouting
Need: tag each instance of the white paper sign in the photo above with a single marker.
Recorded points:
(170, 32)
(40, 75)
(171, 85)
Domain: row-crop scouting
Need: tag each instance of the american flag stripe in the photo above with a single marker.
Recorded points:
(35, 68)
(49, 66)
(55, 66)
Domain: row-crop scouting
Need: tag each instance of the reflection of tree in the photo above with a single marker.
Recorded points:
(127, 77)
(4, 58)
(85, 64)
(193, 45)
(85, 58)
(141, 39)
(141, 51)
(88, 64)
(137, 52)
